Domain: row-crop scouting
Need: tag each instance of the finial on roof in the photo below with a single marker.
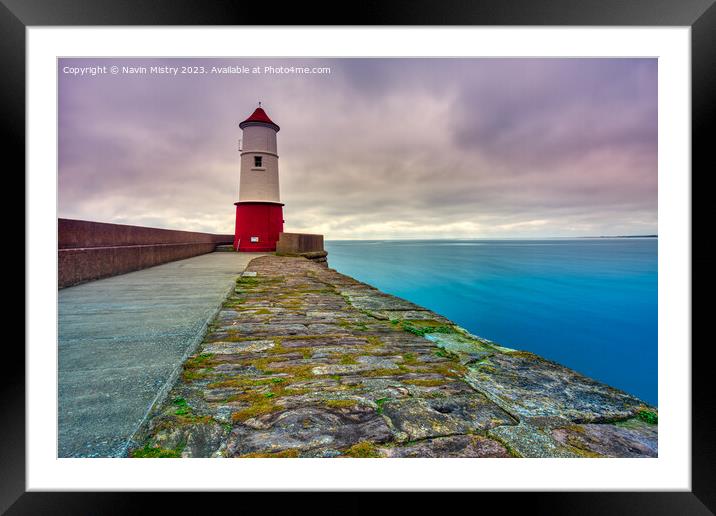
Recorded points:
(260, 116)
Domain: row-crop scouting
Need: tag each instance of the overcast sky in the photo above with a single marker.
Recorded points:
(377, 148)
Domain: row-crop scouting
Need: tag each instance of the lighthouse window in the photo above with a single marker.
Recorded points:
(257, 161)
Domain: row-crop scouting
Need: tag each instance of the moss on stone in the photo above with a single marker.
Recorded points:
(198, 360)
(156, 452)
(374, 341)
(347, 359)
(510, 449)
(277, 348)
(298, 371)
(262, 394)
(247, 281)
(283, 454)
(450, 369)
(423, 327)
(193, 419)
(258, 408)
(383, 372)
(577, 446)
(524, 355)
(341, 403)
(362, 450)
(353, 325)
(426, 382)
(234, 302)
(410, 358)
(197, 367)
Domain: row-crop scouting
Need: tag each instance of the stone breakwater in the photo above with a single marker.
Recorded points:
(303, 361)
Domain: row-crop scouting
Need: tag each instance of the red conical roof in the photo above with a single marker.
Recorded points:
(259, 115)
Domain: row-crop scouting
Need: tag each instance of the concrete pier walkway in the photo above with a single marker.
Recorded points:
(122, 341)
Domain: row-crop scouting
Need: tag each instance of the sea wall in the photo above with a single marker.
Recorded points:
(92, 250)
(302, 361)
(307, 245)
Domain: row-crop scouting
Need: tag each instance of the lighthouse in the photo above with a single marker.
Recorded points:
(259, 212)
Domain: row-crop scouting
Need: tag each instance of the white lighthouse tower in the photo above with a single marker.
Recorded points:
(259, 212)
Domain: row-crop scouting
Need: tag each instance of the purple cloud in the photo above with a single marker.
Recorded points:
(378, 148)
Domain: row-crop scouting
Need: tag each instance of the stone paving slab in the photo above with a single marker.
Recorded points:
(122, 341)
(302, 361)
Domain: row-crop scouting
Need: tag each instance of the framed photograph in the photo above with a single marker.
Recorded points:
(420, 250)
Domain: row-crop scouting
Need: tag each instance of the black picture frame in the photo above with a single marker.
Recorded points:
(700, 15)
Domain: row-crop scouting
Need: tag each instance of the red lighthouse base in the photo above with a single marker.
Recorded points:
(257, 226)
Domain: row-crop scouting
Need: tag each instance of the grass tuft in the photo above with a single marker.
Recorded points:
(380, 402)
(648, 416)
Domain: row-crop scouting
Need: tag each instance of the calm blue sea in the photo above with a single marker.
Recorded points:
(590, 304)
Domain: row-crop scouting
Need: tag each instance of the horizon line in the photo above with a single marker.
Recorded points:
(501, 238)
